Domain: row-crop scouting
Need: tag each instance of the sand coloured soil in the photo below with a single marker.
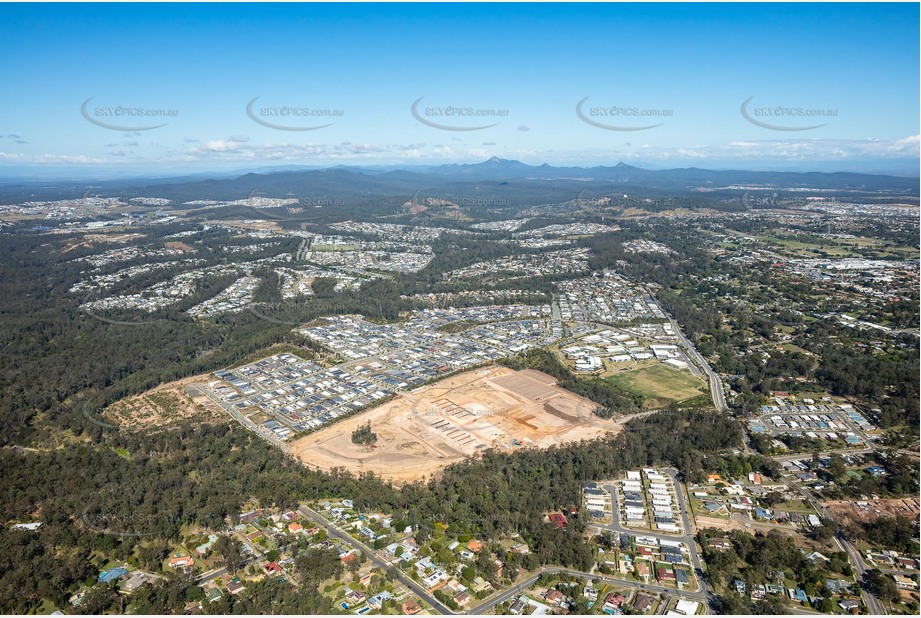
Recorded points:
(422, 431)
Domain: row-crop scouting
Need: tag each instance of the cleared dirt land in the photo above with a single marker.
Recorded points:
(425, 430)
(847, 511)
(166, 404)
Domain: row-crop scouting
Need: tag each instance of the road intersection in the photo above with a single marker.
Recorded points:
(687, 538)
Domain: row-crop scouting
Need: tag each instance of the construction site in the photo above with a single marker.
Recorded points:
(424, 430)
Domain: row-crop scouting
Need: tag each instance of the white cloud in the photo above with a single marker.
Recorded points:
(691, 153)
(789, 150)
(240, 149)
(219, 145)
(18, 157)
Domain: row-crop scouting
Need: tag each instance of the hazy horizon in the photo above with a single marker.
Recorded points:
(10, 174)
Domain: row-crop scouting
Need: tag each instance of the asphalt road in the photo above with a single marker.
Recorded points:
(719, 401)
(869, 599)
(213, 574)
(375, 559)
(716, 386)
(840, 451)
(505, 595)
(262, 432)
(688, 538)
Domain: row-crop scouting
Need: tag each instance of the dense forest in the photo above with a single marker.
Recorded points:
(95, 503)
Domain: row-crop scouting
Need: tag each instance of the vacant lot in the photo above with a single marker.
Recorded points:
(166, 404)
(422, 431)
(661, 385)
(846, 511)
(721, 523)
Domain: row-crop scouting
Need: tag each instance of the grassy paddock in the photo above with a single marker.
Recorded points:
(659, 384)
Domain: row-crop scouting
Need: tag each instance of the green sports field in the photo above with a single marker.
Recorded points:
(659, 384)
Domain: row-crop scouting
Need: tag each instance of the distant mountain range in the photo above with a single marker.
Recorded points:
(349, 182)
(691, 177)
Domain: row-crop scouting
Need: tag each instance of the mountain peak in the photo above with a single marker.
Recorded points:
(501, 161)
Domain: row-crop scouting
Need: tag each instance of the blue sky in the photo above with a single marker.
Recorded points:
(852, 68)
